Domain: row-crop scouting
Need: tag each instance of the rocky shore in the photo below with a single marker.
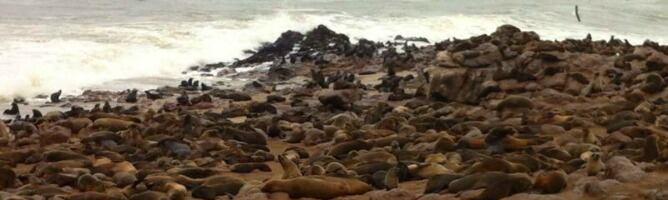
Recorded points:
(504, 115)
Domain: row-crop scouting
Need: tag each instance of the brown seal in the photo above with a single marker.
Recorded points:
(249, 167)
(440, 182)
(594, 164)
(111, 124)
(337, 169)
(495, 164)
(322, 187)
(550, 182)
(290, 169)
(497, 185)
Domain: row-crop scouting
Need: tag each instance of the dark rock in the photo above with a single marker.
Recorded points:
(482, 56)
(364, 49)
(322, 39)
(269, 52)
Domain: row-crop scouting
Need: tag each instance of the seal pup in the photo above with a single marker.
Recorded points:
(321, 187)
(314, 170)
(428, 170)
(594, 164)
(290, 169)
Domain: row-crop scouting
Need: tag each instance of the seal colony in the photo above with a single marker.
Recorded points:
(504, 115)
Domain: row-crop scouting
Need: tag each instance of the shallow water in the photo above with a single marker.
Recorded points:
(46, 45)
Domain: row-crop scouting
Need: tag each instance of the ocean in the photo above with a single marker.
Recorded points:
(47, 45)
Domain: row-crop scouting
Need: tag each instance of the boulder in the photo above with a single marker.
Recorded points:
(622, 169)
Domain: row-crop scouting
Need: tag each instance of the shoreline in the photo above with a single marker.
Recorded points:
(511, 114)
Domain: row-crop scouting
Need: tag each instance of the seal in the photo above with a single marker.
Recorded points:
(337, 169)
(153, 94)
(428, 170)
(295, 135)
(194, 172)
(370, 168)
(249, 167)
(174, 191)
(341, 150)
(111, 124)
(495, 164)
(7, 178)
(290, 169)
(75, 124)
(497, 185)
(551, 182)
(314, 170)
(594, 165)
(132, 96)
(590, 138)
(514, 105)
(375, 156)
(90, 196)
(391, 179)
(55, 97)
(650, 149)
(321, 187)
(440, 182)
(14, 110)
(149, 195)
(89, 182)
(211, 187)
(498, 140)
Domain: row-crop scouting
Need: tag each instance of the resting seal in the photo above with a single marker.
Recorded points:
(321, 187)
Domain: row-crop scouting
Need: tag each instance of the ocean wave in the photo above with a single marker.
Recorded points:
(40, 59)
